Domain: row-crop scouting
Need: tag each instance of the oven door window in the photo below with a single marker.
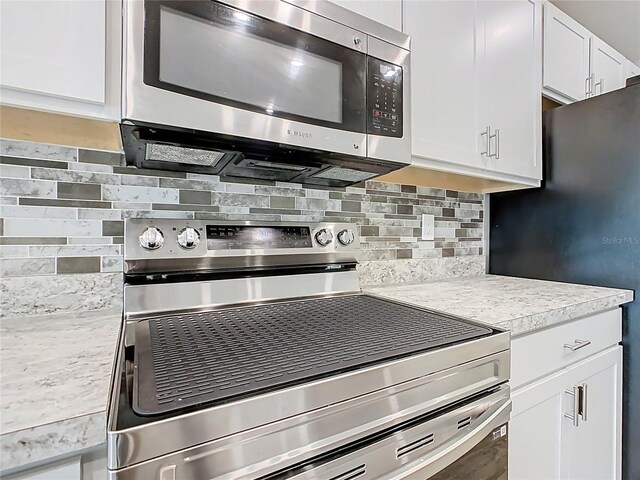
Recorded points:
(220, 54)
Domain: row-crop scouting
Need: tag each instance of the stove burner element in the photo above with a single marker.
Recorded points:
(193, 358)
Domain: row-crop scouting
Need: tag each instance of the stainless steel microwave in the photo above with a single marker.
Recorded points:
(286, 90)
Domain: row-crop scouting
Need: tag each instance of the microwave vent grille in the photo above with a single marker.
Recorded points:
(185, 155)
(344, 174)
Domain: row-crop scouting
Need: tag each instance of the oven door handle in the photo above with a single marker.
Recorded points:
(451, 451)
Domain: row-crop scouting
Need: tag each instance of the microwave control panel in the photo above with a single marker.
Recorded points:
(384, 98)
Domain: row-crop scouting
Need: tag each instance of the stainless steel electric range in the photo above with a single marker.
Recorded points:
(247, 350)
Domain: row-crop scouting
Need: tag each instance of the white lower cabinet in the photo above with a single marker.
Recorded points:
(592, 447)
(568, 424)
(535, 431)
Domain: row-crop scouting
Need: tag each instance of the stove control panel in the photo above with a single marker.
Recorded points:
(209, 244)
(251, 237)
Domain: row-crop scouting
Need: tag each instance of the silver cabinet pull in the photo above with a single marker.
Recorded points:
(589, 85)
(577, 344)
(576, 405)
(497, 143)
(583, 402)
(601, 85)
(487, 133)
(495, 138)
(579, 394)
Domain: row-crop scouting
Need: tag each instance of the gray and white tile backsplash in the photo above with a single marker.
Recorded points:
(63, 211)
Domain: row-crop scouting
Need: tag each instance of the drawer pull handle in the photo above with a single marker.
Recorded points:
(577, 344)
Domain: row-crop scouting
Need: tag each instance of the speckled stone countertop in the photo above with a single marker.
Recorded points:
(517, 304)
(55, 369)
(54, 382)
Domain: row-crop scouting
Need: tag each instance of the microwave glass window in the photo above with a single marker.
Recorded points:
(248, 68)
(211, 51)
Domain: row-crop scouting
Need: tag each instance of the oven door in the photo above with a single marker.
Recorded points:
(466, 442)
(269, 71)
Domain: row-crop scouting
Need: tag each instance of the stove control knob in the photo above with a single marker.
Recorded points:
(324, 237)
(346, 237)
(151, 239)
(188, 238)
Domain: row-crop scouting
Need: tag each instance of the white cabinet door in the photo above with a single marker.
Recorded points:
(545, 444)
(593, 448)
(387, 12)
(54, 48)
(566, 55)
(510, 84)
(535, 430)
(443, 81)
(608, 67)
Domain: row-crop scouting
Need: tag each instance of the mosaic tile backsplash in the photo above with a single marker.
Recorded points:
(63, 210)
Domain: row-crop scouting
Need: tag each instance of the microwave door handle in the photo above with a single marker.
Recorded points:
(458, 446)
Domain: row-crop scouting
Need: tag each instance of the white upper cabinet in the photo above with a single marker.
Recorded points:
(509, 89)
(577, 64)
(475, 87)
(608, 67)
(566, 55)
(387, 12)
(61, 55)
(444, 81)
(632, 69)
(55, 48)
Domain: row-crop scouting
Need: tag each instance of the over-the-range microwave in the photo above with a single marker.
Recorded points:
(284, 90)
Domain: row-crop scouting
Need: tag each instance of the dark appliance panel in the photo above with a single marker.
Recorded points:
(583, 225)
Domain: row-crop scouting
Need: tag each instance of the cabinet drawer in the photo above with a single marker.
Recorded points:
(541, 353)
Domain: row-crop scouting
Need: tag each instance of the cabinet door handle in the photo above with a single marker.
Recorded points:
(601, 85)
(487, 132)
(497, 143)
(579, 394)
(583, 401)
(589, 84)
(576, 405)
(577, 344)
(495, 138)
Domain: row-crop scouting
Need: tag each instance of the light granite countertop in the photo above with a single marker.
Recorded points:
(520, 305)
(54, 381)
(55, 369)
